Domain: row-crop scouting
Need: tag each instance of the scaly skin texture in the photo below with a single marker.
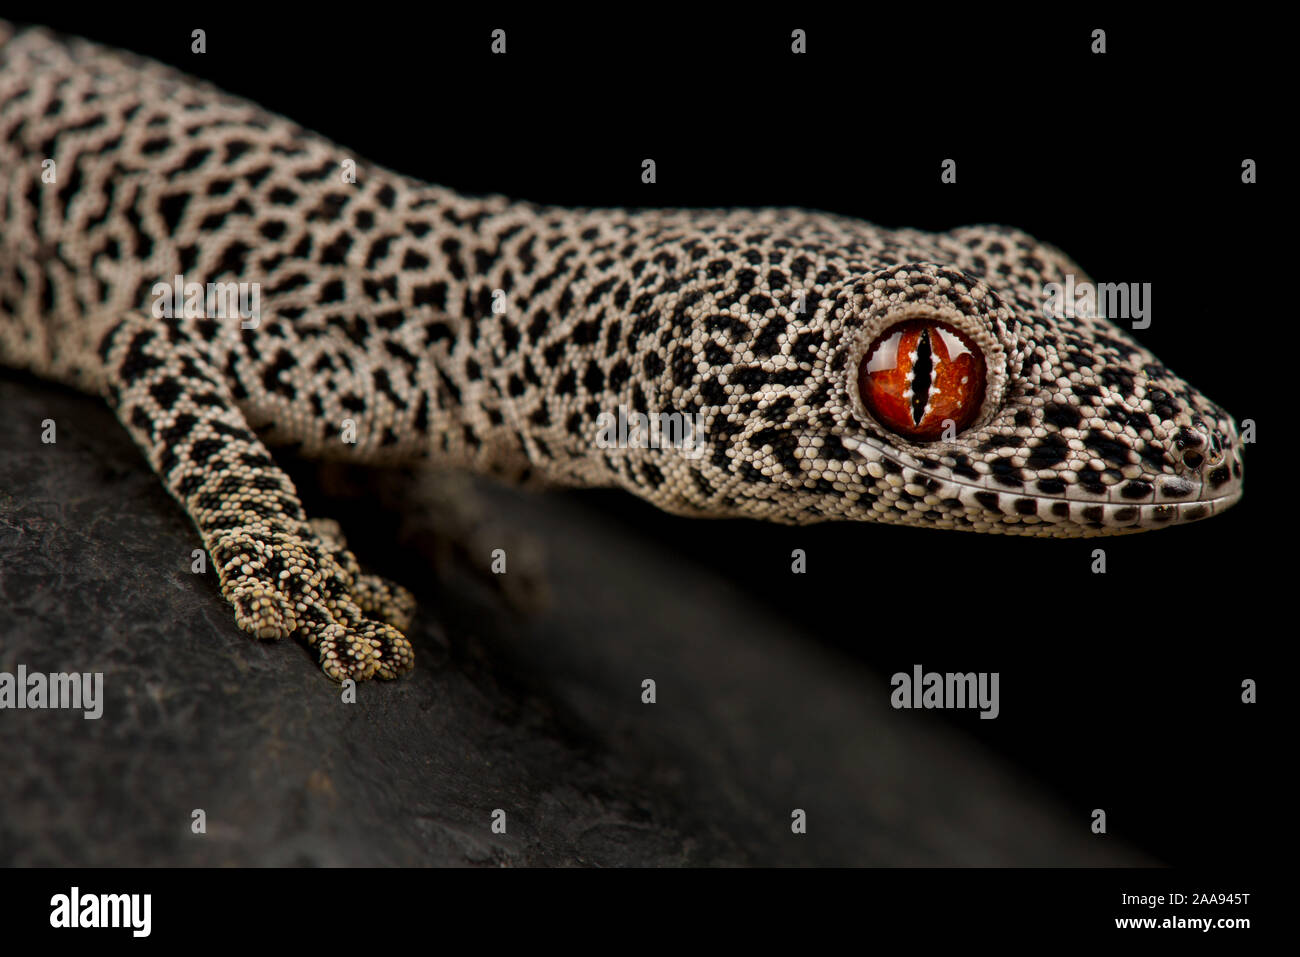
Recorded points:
(491, 335)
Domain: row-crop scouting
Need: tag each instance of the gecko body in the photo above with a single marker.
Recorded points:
(839, 371)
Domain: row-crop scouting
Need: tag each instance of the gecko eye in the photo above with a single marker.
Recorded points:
(919, 373)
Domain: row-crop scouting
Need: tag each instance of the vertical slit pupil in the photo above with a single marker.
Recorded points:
(922, 370)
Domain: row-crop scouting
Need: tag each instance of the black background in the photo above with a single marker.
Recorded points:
(1119, 691)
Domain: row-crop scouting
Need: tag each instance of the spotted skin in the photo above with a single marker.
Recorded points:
(491, 335)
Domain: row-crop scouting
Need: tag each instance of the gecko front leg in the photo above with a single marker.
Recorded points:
(283, 573)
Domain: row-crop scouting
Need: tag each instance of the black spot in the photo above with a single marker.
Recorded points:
(434, 294)
(414, 260)
(384, 386)
(585, 333)
(612, 337)
(399, 351)
(1052, 451)
(1107, 448)
(619, 375)
(767, 341)
(166, 392)
(271, 375)
(390, 320)
(1004, 473)
(332, 291)
(204, 449)
(378, 250)
(1062, 416)
(136, 361)
(178, 430)
(254, 177)
(452, 248)
(141, 420)
(232, 259)
(380, 290)
(421, 420)
(1091, 482)
(712, 392)
(172, 207)
(593, 380)
(1137, 489)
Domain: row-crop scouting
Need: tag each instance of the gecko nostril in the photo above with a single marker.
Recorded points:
(1192, 443)
(1201, 447)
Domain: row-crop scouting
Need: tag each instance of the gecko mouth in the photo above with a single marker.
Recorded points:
(1181, 500)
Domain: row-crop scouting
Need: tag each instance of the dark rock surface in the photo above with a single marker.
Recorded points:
(538, 715)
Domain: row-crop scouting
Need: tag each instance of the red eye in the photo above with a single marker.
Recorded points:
(919, 373)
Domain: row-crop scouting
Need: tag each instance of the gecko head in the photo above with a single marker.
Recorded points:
(921, 395)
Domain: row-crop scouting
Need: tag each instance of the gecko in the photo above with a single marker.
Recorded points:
(839, 371)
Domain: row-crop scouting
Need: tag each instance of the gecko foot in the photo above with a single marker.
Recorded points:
(281, 582)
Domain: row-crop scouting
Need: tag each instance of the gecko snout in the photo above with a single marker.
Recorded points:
(1212, 455)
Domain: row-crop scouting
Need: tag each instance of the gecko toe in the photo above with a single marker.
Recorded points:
(363, 649)
(394, 655)
(384, 600)
(261, 611)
